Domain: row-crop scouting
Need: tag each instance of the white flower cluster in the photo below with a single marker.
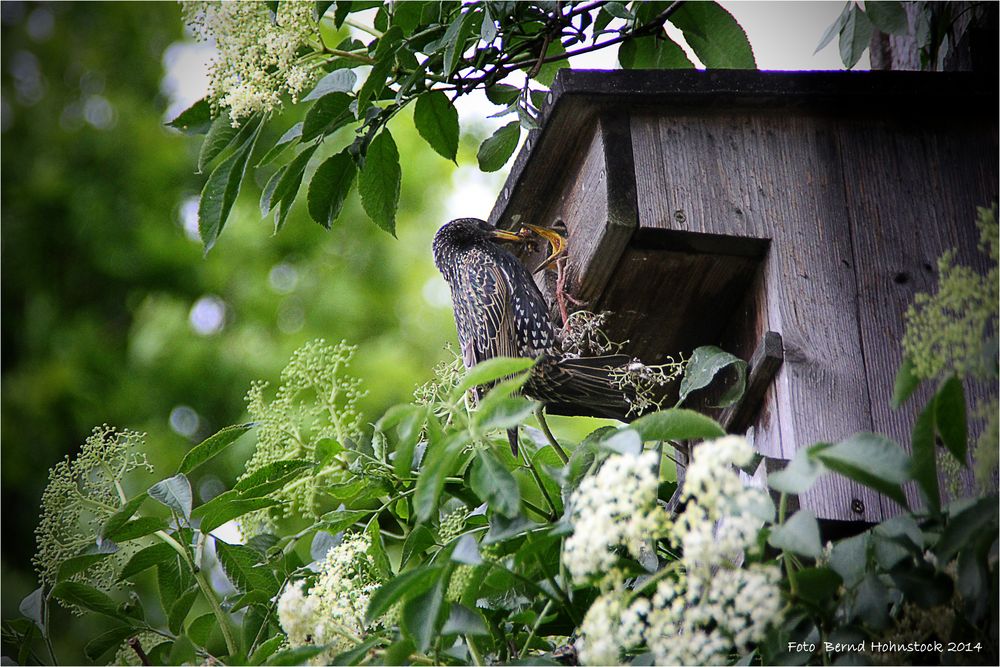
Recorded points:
(723, 516)
(332, 612)
(712, 607)
(257, 59)
(615, 507)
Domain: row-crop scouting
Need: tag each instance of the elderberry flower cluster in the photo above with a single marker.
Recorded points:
(616, 507)
(315, 405)
(643, 385)
(950, 331)
(258, 57)
(81, 495)
(332, 611)
(710, 606)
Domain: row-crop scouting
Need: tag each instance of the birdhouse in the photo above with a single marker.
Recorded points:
(789, 218)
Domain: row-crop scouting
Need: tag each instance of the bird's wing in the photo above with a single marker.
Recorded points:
(483, 314)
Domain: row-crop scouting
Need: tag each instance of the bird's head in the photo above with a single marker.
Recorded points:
(467, 231)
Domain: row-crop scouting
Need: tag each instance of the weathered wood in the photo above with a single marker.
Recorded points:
(902, 219)
(761, 369)
(708, 168)
(778, 177)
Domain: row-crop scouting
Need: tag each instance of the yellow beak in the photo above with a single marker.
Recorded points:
(557, 244)
(506, 236)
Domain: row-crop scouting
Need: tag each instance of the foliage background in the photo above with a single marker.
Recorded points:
(100, 277)
(103, 286)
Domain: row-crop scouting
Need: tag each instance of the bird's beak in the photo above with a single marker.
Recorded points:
(506, 236)
(557, 245)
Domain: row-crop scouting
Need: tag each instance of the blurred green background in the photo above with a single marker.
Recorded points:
(110, 311)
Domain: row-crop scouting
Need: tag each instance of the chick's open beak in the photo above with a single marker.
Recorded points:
(557, 245)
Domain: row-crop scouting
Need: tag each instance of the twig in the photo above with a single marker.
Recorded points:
(136, 646)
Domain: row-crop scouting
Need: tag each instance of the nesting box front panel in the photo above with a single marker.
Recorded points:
(707, 208)
(775, 176)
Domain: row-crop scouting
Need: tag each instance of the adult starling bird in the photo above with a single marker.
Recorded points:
(500, 312)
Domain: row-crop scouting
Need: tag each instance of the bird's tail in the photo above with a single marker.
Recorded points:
(582, 386)
(512, 439)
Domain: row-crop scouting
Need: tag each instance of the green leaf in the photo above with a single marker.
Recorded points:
(818, 584)
(296, 656)
(493, 483)
(705, 364)
(872, 602)
(502, 528)
(855, 37)
(220, 191)
(271, 477)
(123, 514)
(136, 528)
(714, 36)
(91, 556)
(376, 551)
(464, 621)
(496, 150)
(287, 187)
(835, 27)
(506, 412)
(175, 493)
(220, 135)
(291, 135)
(418, 541)
(872, 460)
(676, 424)
(337, 81)
(488, 28)
(180, 609)
(183, 651)
(201, 628)
(146, 558)
(950, 418)
(339, 520)
(408, 431)
(326, 114)
(104, 642)
(330, 186)
(227, 506)
(923, 461)
(423, 615)
(455, 38)
(404, 586)
(906, 383)
(491, 370)
(618, 11)
(437, 122)
(466, 551)
(211, 446)
(964, 527)
(502, 94)
(196, 119)
(86, 597)
(32, 607)
(654, 52)
(849, 558)
(439, 462)
(801, 472)
(799, 534)
(624, 441)
(244, 568)
(888, 16)
(378, 183)
(267, 649)
(547, 72)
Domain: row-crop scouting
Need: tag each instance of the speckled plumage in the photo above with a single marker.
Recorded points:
(499, 311)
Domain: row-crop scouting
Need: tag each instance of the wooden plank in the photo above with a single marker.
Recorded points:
(761, 369)
(775, 176)
(913, 194)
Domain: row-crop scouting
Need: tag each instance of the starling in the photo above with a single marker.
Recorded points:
(499, 311)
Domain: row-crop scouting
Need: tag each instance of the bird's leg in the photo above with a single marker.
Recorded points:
(540, 416)
(562, 296)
